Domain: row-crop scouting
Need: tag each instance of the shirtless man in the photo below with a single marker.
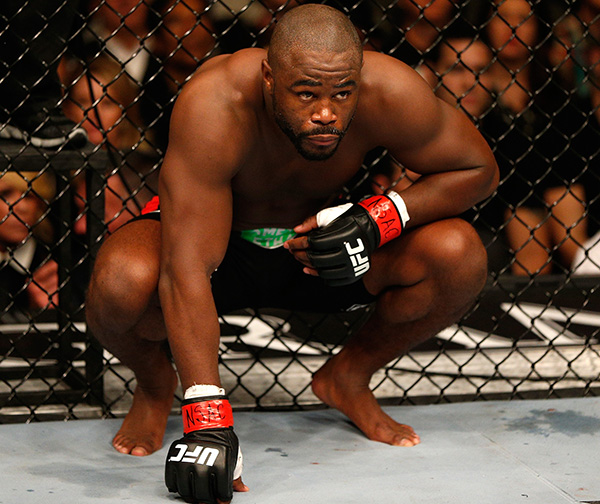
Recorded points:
(264, 140)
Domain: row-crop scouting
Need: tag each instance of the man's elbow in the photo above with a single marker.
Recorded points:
(489, 176)
(493, 177)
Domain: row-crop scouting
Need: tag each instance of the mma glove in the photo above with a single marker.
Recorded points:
(202, 465)
(340, 248)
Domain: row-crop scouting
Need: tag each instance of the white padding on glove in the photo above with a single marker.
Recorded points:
(400, 205)
(328, 215)
(200, 391)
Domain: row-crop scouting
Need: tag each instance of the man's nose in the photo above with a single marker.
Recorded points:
(324, 113)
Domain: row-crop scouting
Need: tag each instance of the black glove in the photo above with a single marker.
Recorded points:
(340, 250)
(200, 466)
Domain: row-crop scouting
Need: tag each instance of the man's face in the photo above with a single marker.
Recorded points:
(314, 98)
(462, 69)
(184, 36)
(514, 30)
(18, 210)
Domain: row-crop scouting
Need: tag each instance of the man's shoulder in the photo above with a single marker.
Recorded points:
(381, 69)
(395, 101)
(226, 82)
(388, 84)
(242, 67)
(220, 104)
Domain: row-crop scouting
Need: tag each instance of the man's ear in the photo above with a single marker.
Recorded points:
(267, 75)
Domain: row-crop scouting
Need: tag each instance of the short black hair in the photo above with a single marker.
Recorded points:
(313, 27)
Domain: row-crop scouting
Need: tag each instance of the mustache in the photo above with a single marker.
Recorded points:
(322, 130)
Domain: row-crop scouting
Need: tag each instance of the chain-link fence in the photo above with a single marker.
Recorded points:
(525, 72)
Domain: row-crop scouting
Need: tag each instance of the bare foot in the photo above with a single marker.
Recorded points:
(239, 485)
(341, 391)
(144, 426)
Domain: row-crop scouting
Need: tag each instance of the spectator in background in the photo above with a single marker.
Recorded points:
(540, 176)
(33, 37)
(575, 37)
(159, 43)
(589, 13)
(410, 29)
(587, 260)
(119, 28)
(422, 22)
(460, 64)
(183, 40)
(28, 274)
(565, 53)
(118, 205)
(104, 100)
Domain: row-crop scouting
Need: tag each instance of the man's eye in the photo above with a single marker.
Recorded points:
(305, 95)
(343, 95)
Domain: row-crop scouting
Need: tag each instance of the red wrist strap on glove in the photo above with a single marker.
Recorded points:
(385, 214)
(206, 414)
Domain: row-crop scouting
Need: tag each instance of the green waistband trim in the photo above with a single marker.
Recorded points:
(269, 238)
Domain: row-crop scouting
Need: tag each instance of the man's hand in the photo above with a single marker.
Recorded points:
(205, 465)
(200, 466)
(338, 241)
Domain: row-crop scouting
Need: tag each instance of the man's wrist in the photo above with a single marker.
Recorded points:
(206, 407)
(388, 213)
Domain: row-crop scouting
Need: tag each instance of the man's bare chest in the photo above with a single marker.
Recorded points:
(284, 194)
(269, 177)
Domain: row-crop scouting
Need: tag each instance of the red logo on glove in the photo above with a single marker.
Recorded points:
(212, 414)
(385, 214)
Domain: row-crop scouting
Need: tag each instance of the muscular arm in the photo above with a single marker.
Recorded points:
(195, 195)
(431, 138)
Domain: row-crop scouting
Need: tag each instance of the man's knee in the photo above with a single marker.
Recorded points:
(122, 285)
(459, 254)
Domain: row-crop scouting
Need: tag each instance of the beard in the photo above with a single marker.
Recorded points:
(297, 139)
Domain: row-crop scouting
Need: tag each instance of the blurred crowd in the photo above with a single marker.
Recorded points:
(526, 72)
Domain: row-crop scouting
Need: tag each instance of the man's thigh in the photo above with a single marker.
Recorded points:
(422, 251)
(253, 277)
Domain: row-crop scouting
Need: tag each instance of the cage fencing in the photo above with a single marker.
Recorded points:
(526, 72)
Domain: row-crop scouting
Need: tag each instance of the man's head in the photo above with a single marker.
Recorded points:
(312, 76)
(514, 30)
(24, 200)
(461, 68)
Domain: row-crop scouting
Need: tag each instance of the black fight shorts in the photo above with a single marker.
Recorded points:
(251, 276)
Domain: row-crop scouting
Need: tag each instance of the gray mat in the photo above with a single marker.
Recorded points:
(534, 452)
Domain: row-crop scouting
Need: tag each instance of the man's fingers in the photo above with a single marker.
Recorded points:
(298, 243)
(311, 271)
(307, 225)
(301, 256)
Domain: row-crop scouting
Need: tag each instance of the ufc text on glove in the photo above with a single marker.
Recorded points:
(341, 247)
(201, 466)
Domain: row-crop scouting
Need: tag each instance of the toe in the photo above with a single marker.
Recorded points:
(120, 444)
(139, 451)
(402, 441)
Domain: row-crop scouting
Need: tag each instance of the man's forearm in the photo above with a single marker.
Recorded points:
(193, 329)
(442, 195)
